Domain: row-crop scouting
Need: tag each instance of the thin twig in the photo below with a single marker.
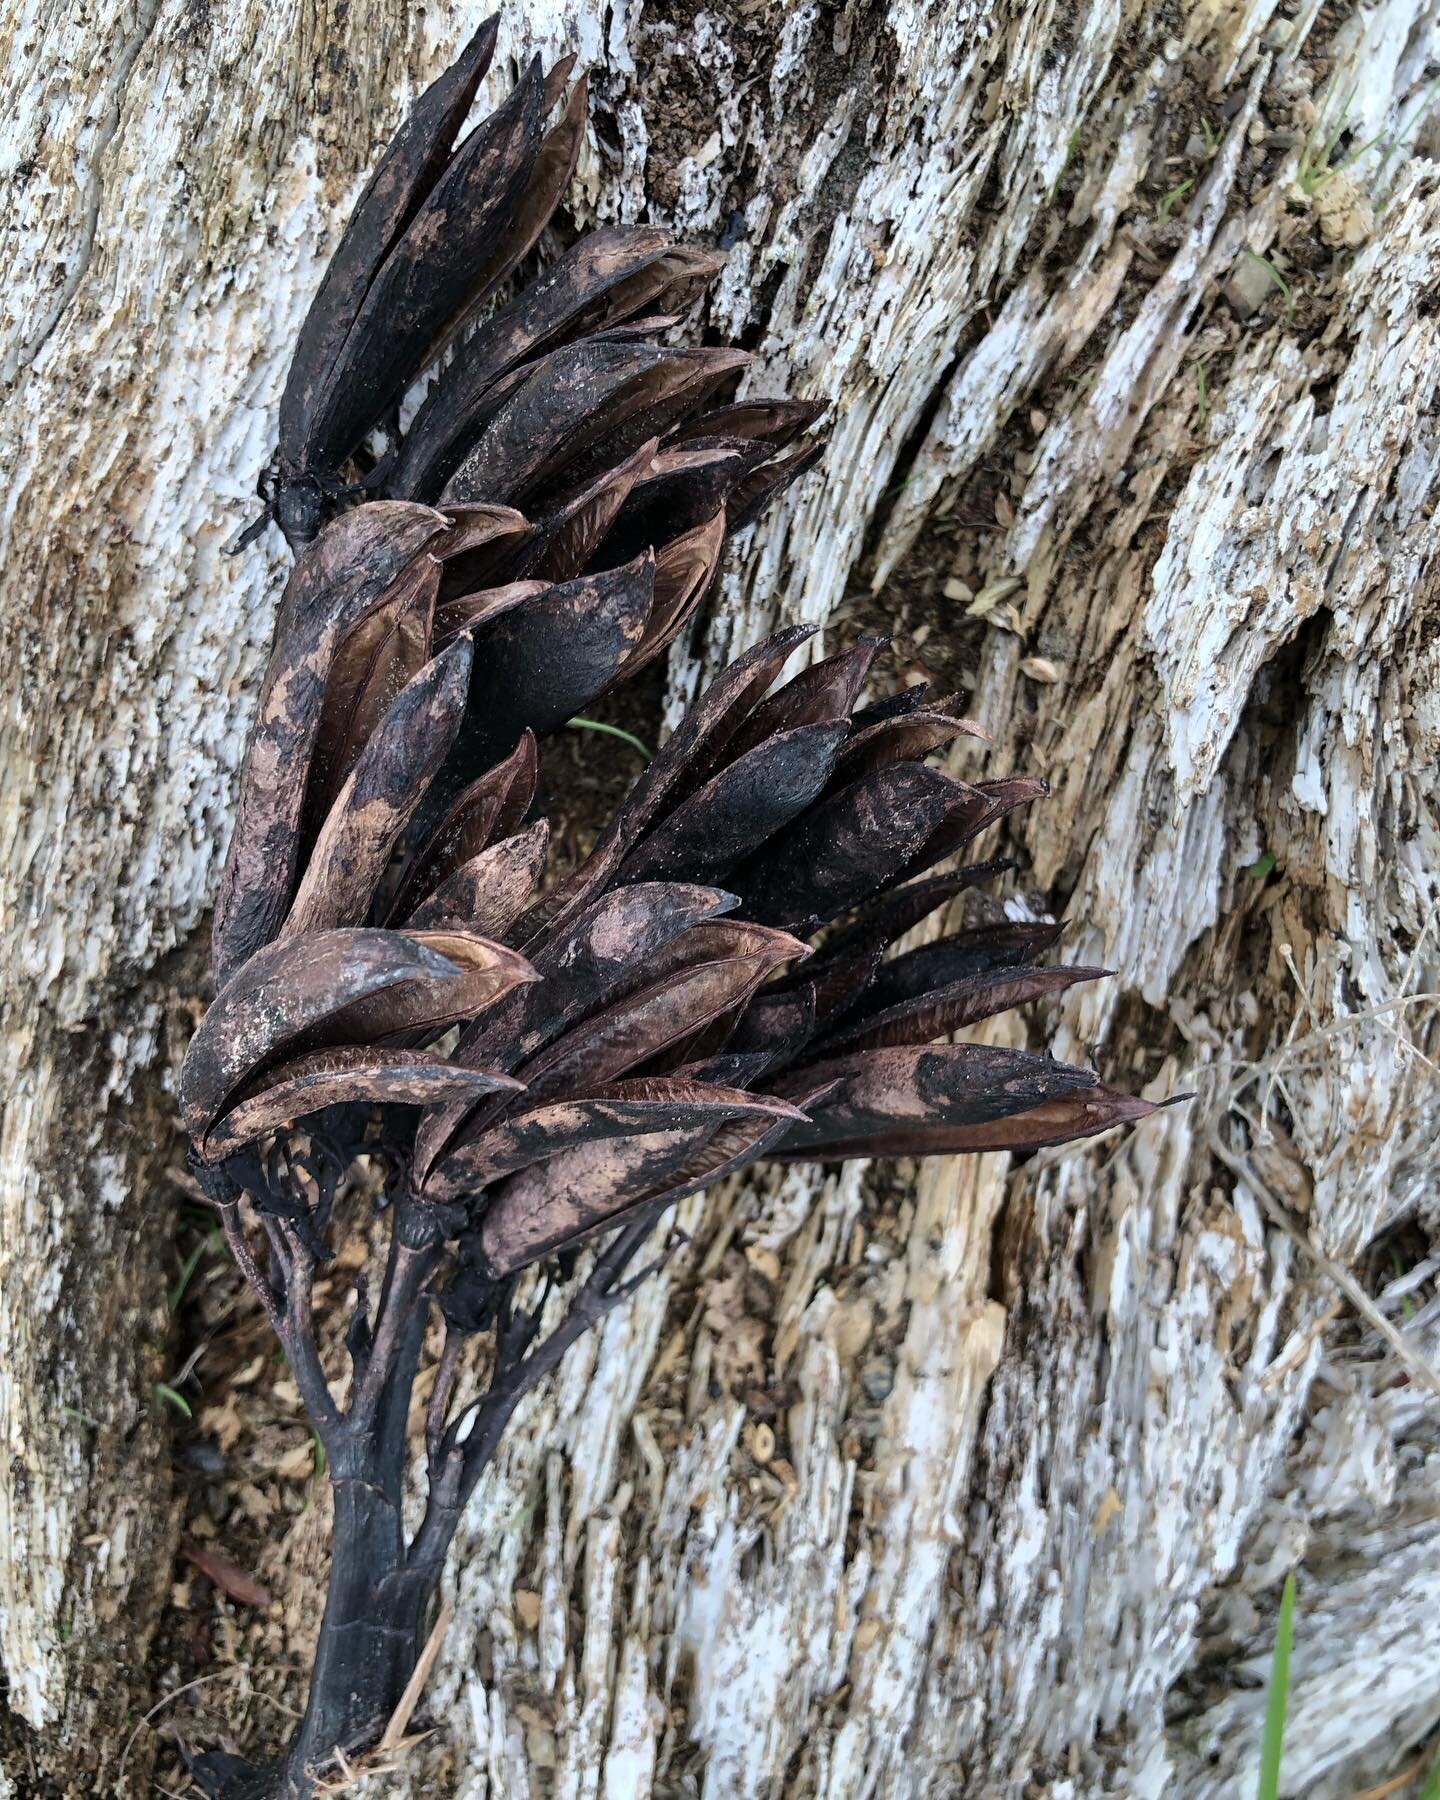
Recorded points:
(440, 1395)
(600, 1293)
(1295, 1354)
(1280, 1215)
(302, 1346)
(299, 1346)
(1411, 1772)
(279, 1255)
(160, 1705)
(245, 1261)
(407, 1269)
(1315, 1040)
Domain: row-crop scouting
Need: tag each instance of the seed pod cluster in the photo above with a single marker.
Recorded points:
(560, 399)
(661, 1016)
(542, 1059)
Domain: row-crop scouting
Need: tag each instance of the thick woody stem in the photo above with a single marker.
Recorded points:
(380, 1589)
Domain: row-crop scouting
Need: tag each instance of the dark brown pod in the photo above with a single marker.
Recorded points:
(685, 568)
(756, 489)
(978, 951)
(490, 807)
(563, 1200)
(637, 1028)
(348, 570)
(567, 539)
(330, 988)
(928, 1016)
(607, 276)
(383, 650)
(489, 892)
(326, 1077)
(974, 810)
(580, 408)
(540, 663)
(623, 1109)
(1061, 1120)
(567, 1199)
(820, 695)
(846, 848)
(404, 175)
(708, 721)
(773, 422)
(905, 739)
(899, 1096)
(581, 968)
(437, 268)
(380, 796)
(739, 809)
(483, 973)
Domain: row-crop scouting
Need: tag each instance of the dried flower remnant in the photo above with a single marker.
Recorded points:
(560, 398)
(657, 1019)
(535, 1064)
(561, 498)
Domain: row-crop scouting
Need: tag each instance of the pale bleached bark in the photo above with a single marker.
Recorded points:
(1056, 1436)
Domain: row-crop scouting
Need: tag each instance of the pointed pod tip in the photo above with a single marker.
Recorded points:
(783, 1109)
(791, 636)
(480, 48)
(792, 948)
(816, 1096)
(460, 651)
(497, 1083)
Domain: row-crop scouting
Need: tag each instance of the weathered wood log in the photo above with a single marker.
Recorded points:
(1133, 427)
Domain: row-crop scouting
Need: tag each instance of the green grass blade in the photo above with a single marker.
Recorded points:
(1277, 279)
(1431, 1789)
(1070, 143)
(1339, 131)
(1277, 1698)
(188, 1268)
(629, 737)
(1177, 192)
(163, 1391)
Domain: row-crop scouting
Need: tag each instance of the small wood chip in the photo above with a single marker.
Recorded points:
(243, 1588)
(991, 595)
(1040, 668)
(1110, 1507)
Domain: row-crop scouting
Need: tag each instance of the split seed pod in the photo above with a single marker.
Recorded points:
(718, 982)
(564, 401)
(659, 1016)
(681, 1026)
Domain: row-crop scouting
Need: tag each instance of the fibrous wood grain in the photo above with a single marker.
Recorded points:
(1135, 431)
